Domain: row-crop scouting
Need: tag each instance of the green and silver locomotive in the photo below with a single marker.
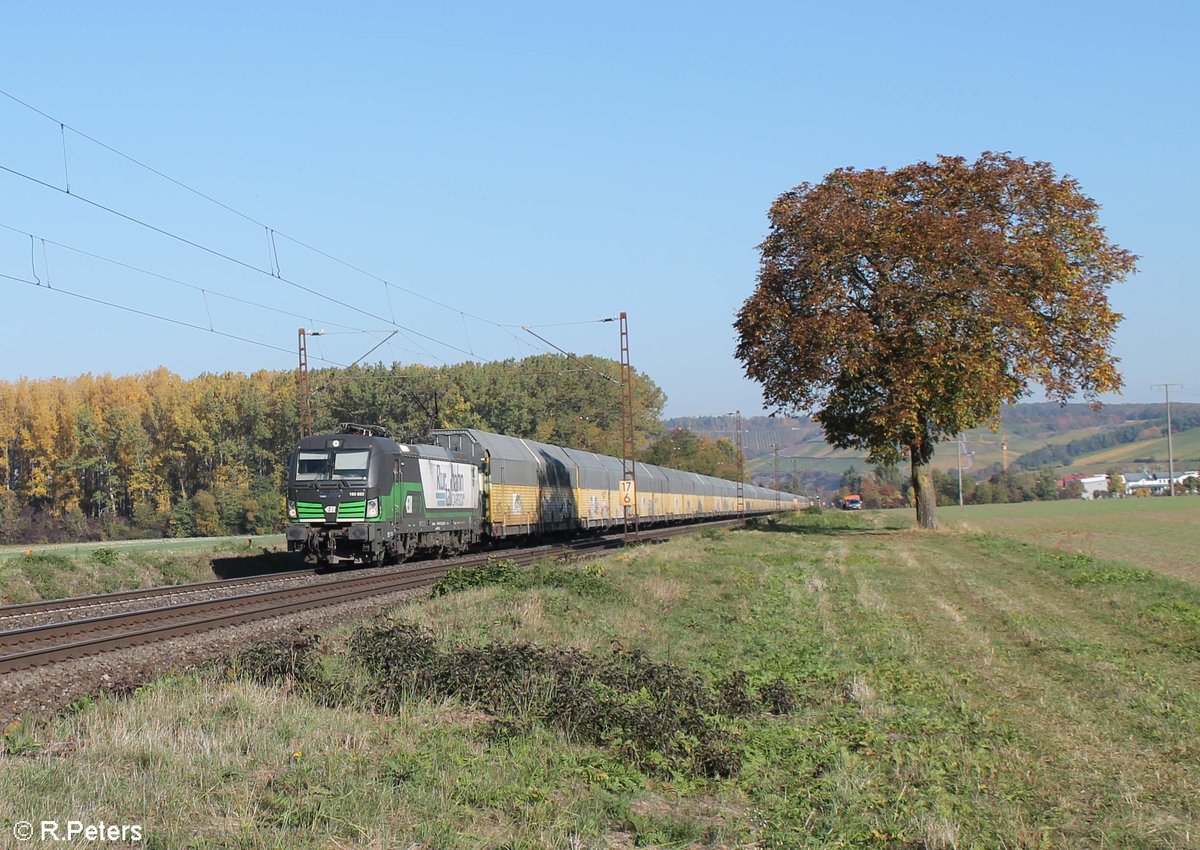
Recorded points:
(359, 496)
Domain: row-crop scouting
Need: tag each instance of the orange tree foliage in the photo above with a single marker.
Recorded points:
(157, 454)
(104, 450)
(905, 306)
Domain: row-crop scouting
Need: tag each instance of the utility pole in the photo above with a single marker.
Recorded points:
(1170, 448)
(629, 505)
(958, 443)
(741, 463)
(303, 398)
(741, 482)
(775, 474)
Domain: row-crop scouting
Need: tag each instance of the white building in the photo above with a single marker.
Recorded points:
(1156, 484)
(1093, 484)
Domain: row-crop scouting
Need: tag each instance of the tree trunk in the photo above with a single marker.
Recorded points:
(924, 496)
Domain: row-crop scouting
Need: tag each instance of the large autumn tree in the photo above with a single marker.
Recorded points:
(903, 307)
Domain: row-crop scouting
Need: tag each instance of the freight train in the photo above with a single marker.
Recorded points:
(361, 497)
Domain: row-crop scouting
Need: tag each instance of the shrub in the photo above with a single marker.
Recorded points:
(105, 556)
(589, 581)
(276, 662)
(465, 578)
(659, 716)
(778, 697)
(46, 571)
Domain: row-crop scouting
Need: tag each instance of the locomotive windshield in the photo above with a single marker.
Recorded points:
(337, 465)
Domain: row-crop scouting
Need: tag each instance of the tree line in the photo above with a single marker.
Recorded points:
(156, 454)
(1149, 429)
(883, 487)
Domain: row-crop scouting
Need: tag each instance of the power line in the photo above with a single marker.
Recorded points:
(64, 126)
(271, 232)
(150, 315)
(561, 324)
(587, 366)
(205, 290)
(235, 260)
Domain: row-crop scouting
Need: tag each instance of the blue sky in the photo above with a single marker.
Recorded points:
(535, 164)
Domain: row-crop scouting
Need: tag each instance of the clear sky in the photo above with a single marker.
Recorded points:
(535, 164)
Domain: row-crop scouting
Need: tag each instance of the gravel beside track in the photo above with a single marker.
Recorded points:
(46, 690)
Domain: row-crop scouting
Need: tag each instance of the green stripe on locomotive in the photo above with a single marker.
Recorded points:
(310, 510)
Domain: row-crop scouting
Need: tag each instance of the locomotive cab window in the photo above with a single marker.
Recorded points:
(311, 466)
(347, 464)
(350, 463)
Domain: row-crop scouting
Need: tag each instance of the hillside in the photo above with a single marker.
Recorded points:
(1144, 453)
(1030, 436)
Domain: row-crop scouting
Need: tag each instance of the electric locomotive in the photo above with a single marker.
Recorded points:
(359, 496)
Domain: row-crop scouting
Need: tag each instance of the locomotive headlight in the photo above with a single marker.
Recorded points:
(372, 508)
(291, 510)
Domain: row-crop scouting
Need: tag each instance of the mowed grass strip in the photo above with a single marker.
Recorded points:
(954, 690)
(1155, 533)
(62, 570)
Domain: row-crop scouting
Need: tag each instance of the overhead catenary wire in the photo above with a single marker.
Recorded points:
(128, 158)
(271, 231)
(587, 366)
(275, 270)
(151, 315)
(166, 278)
(561, 324)
(235, 260)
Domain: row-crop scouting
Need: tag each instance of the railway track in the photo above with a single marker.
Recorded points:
(74, 607)
(122, 597)
(48, 643)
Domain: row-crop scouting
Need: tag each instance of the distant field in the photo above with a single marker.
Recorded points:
(832, 465)
(1154, 533)
(1186, 447)
(985, 448)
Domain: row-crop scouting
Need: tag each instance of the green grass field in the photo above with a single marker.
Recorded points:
(1153, 533)
(948, 690)
(29, 573)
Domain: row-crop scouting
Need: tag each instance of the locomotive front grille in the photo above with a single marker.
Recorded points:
(310, 511)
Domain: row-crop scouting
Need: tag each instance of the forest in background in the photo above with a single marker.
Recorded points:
(154, 454)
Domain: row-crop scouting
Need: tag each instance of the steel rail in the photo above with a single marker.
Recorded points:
(71, 602)
(143, 627)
